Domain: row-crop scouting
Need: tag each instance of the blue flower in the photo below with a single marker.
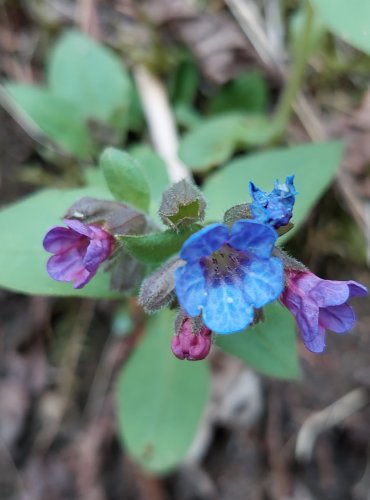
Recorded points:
(228, 273)
(275, 208)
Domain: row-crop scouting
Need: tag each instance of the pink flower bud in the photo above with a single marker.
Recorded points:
(190, 342)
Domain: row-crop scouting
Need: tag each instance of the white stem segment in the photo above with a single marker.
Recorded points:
(160, 121)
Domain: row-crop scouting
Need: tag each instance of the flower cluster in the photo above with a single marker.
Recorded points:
(229, 273)
(224, 274)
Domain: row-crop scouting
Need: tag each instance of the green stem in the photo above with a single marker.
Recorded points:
(288, 96)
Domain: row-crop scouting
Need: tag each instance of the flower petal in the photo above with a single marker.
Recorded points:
(317, 344)
(190, 287)
(60, 239)
(83, 277)
(306, 314)
(79, 227)
(356, 289)
(329, 293)
(65, 266)
(253, 238)
(96, 253)
(263, 280)
(204, 242)
(226, 309)
(339, 319)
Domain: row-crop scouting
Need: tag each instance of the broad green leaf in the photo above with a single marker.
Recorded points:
(155, 172)
(269, 347)
(23, 226)
(56, 117)
(91, 77)
(214, 140)
(314, 166)
(157, 247)
(349, 19)
(160, 399)
(248, 92)
(124, 177)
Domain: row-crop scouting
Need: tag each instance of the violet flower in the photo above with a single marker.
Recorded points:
(190, 342)
(319, 305)
(79, 250)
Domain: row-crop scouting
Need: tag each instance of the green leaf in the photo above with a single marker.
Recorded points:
(347, 19)
(91, 77)
(56, 117)
(182, 205)
(125, 178)
(160, 399)
(215, 139)
(269, 347)
(248, 92)
(22, 257)
(186, 116)
(157, 247)
(184, 82)
(155, 172)
(314, 166)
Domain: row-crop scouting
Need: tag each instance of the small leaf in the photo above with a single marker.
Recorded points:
(237, 212)
(347, 19)
(155, 172)
(22, 257)
(124, 178)
(186, 116)
(91, 77)
(269, 347)
(184, 82)
(248, 92)
(56, 117)
(160, 399)
(157, 291)
(157, 247)
(215, 140)
(314, 166)
(182, 205)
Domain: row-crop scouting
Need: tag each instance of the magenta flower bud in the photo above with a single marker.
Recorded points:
(319, 305)
(78, 250)
(190, 342)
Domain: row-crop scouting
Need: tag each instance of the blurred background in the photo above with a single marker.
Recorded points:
(261, 439)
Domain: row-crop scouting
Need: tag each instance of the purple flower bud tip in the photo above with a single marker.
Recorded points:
(318, 305)
(189, 344)
(78, 250)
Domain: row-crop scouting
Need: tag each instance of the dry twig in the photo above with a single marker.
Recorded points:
(327, 418)
(160, 121)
